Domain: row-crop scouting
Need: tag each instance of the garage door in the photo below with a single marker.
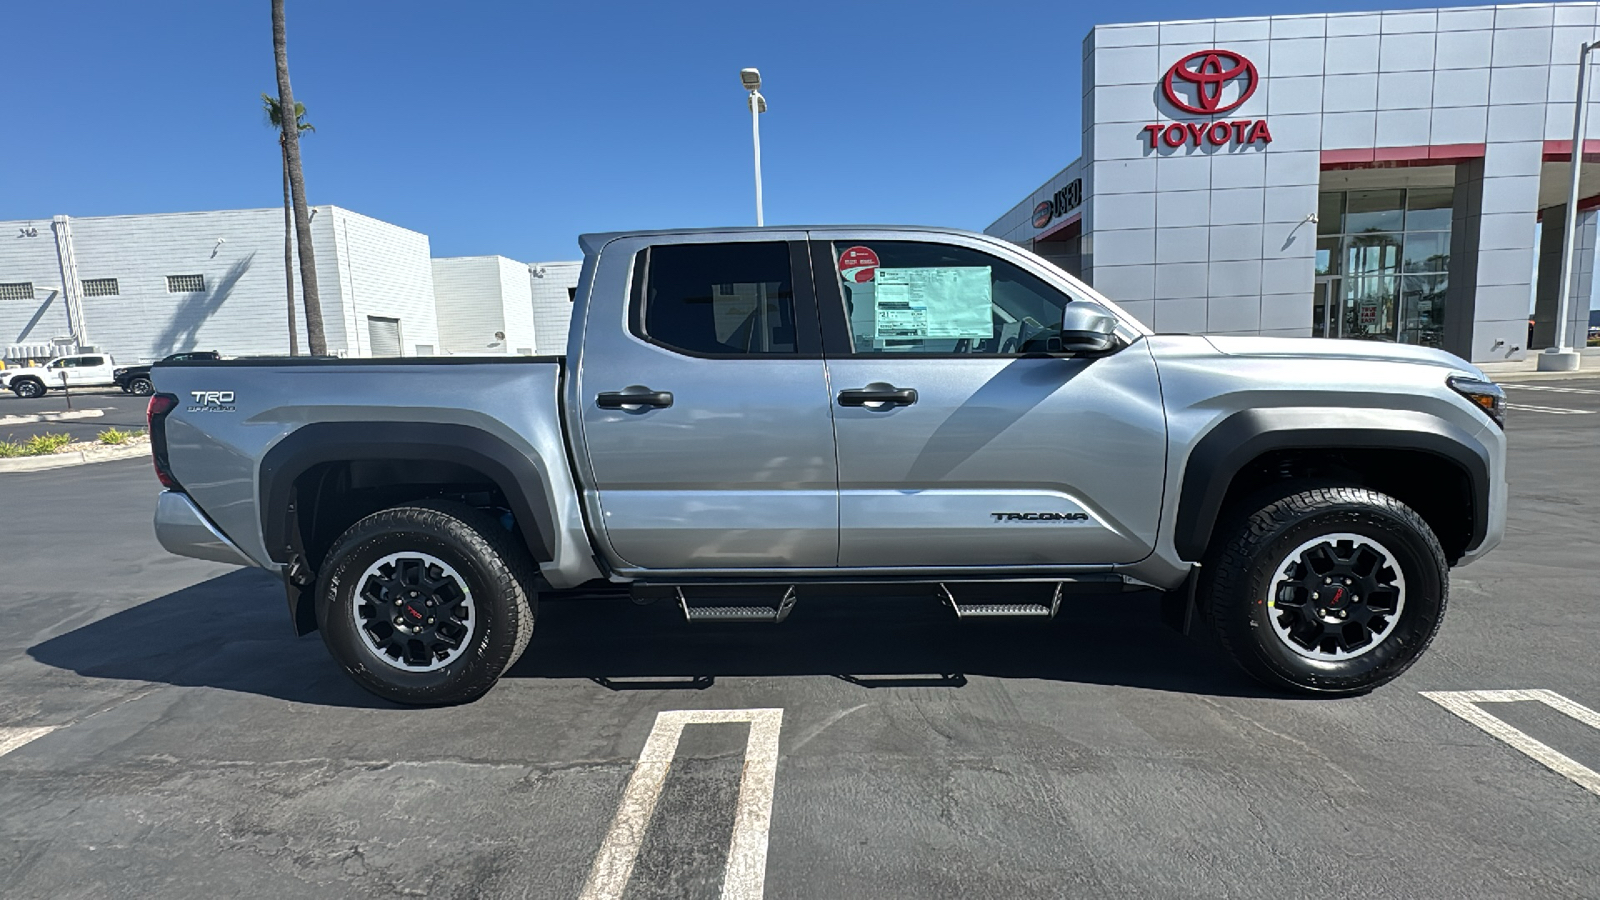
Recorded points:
(384, 335)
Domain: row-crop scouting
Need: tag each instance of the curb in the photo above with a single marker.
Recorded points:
(72, 458)
(52, 417)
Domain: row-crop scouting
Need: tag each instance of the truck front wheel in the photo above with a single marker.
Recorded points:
(427, 603)
(27, 388)
(1331, 591)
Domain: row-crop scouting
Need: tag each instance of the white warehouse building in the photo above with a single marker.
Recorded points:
(491, 304)
(140, 287)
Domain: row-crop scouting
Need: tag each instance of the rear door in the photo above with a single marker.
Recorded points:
(703, 403)
(965, 442)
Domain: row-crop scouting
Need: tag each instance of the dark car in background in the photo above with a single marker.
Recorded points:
(136, 379)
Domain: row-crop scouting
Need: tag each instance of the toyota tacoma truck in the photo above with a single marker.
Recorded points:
(748, 417)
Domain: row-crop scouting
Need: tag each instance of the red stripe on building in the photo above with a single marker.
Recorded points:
(1401, 157)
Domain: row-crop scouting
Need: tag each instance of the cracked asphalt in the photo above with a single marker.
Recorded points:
(201, 751)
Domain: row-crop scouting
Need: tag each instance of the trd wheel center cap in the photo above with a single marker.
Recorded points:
(414, 613)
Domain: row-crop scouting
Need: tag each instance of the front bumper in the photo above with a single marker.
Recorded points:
(183, 529)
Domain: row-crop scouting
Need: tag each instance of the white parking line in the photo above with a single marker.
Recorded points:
(1465, 705)
(746, 872)
(1556, 410)
(1550, 387)
(12, 738)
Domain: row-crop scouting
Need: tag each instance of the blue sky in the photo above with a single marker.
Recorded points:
(511, 128)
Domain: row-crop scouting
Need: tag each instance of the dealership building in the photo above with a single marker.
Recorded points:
(1398, 176)
(142, 286)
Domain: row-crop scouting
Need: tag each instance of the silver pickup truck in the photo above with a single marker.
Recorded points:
(745, 417)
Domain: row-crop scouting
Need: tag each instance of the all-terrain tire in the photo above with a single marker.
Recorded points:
(28, 388)
(140, 386)
(495, 572)
(1250, 580)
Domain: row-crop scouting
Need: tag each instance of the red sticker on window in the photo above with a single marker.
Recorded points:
(858, 264)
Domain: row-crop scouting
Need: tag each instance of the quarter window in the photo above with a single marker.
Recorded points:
(918, 297)
(732, 299)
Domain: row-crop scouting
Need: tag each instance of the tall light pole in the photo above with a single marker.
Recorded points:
(1559, 357)
(751, 79)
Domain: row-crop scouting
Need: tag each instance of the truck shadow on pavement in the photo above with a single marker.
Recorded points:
(232, 633)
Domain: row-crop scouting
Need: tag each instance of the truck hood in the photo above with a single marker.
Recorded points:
(9, 374)
(1328, 348)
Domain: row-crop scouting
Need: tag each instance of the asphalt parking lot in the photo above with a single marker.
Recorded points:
(162, 734)
(118, 409)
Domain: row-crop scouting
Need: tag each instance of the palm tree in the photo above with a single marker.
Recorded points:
(269, 105)
(297, 185)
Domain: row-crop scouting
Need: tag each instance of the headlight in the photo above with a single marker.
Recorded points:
(1486, 395)
(118, 373)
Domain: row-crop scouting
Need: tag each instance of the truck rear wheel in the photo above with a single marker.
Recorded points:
(1331, 591)
(427, 603)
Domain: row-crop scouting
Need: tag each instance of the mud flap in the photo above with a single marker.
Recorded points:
(1178, 606)
(300, 589)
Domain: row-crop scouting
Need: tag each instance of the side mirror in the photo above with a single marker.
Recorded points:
(1087, 327)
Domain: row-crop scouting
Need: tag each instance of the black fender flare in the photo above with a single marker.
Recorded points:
(1245, 435)
(526, 488)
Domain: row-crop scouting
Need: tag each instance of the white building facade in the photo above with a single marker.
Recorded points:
(1377, 175)
(149, 285)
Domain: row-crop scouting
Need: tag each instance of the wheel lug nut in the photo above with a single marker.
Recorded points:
(1342, 613)
(1354, 599)
(1328, 580)
(1321, 611)
(1316, 595)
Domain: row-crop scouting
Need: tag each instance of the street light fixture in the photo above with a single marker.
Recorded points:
(1559, 357)
(751, 79)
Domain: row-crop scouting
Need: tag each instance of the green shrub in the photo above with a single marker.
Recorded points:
(115, 435)
(44, 444)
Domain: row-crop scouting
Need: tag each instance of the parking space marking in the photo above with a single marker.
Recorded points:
(746, 872)
(1551, 388)
(1465, 705)
(12, 738)
(1556, 410)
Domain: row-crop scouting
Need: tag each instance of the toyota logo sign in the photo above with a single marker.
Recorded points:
(1208, 74)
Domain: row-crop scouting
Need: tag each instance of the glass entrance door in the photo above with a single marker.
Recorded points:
(1382, 264)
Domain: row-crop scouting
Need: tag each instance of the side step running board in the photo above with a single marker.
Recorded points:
(1003, 610)
(738, 613)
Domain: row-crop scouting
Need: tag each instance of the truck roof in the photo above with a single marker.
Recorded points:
(595, 240)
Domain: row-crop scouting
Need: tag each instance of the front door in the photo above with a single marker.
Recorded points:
(705, 409)
(963, 440)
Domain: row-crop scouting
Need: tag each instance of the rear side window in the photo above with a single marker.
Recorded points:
(733, 299)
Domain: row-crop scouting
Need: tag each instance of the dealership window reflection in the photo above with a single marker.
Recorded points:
(1383, 261)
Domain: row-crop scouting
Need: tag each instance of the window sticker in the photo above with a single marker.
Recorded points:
(934, 303)
(857, 264)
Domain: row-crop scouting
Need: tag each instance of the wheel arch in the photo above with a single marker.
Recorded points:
(1427, 463)
(325, 476)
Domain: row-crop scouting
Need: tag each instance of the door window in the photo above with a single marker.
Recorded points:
(733, 299)
(928, 298)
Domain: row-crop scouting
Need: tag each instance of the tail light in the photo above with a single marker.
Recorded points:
(156, 417)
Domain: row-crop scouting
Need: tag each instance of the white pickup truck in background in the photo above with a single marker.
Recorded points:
(81, 370)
